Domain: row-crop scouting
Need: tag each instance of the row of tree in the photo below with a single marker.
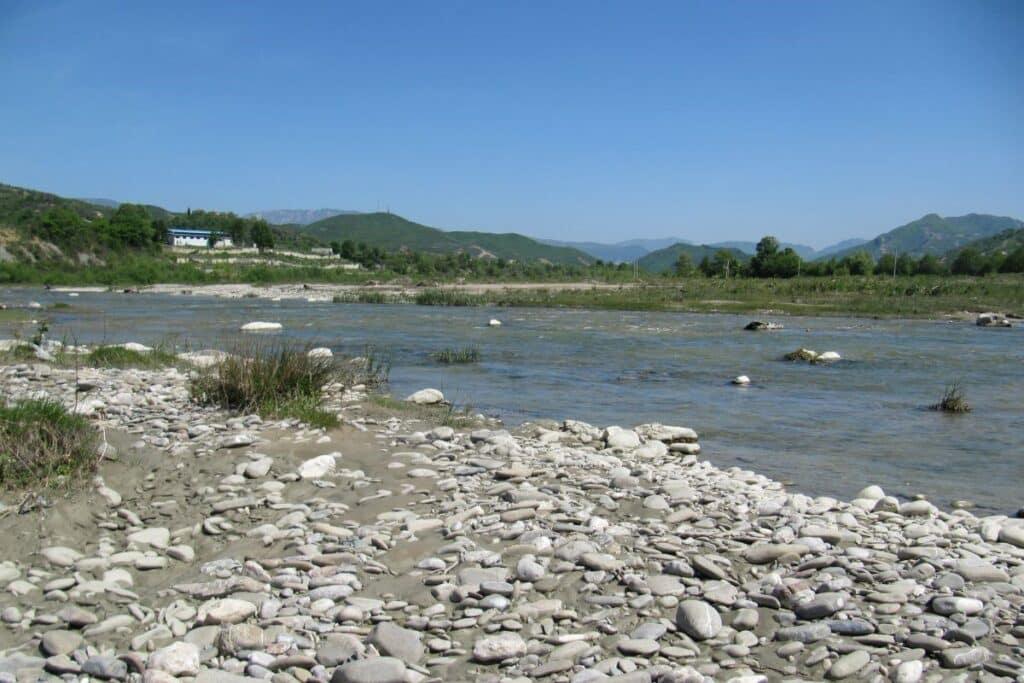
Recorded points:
(771, 261)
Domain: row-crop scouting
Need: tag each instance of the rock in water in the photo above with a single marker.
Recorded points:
(760, 326)
(992, 320)
(741, 380)
(827, 357)
(801, 354)
(494, 322)
(258, 326)
(426, 397)
(698, 619)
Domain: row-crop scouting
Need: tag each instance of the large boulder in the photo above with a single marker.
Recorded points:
(426, 397)
(259, 326)
(760, 326)
(801, 354)
(617, 437)
(698, 619)
(992, 320)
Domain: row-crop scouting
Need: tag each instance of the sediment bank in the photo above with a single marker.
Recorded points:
(392, 549)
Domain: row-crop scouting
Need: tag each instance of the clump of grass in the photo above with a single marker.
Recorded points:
(468, 354)
(271, 380)
(60, 305)
(372, 369)
(362, 297)
(22, 353)
(41, 443)
(446, 297)
(120, 357)
(953, 400)
(308, 410)
(439, 414)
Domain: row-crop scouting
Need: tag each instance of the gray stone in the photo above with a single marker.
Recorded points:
(60, 642)
(177, 659)
(499, 648)
(391, 639)
(805, 633)
(106, 668)
(698, 619)
(375, 670)
(849, 664)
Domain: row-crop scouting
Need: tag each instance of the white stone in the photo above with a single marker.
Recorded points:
(321, 352)
(494, 322)
(741, 380)
(426, 397)
(318, 467)
(827, 357)
(617, 437)
(158, 537)
(259, 326)
(226, 611)
(61, 556)
(499, 648)
(177, 659)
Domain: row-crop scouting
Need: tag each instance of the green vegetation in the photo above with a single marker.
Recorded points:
(120, 357)
(41, 443)
(468, 354)
(445, 415)
(953, 400)
(22, 353)
(271, 380)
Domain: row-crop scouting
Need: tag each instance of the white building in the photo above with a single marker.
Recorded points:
(194, 237)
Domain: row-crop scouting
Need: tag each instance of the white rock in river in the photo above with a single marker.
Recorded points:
(827, 357)
(318, 467)
(499, 648)
(742, 380)
(698, 619)
(426, 397)
(494, 322)
(617, 437)
(258, 326)
(320, 352)
(177, 659)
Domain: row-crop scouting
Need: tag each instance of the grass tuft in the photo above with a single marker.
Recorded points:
(119, 357)
(22, 353)
(953, 400)
(468, 354)
(41, 443)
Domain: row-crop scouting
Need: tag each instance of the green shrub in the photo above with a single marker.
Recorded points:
(41, 443)
(468, 354)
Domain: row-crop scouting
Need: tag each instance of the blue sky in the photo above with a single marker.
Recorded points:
(814, 121)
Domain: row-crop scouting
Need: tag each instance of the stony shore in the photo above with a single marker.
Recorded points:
(212, 547)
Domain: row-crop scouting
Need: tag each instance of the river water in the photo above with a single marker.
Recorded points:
(827, 430)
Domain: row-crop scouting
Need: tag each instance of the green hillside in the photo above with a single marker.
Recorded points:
(20, 207)
(393, 233)
(1003, 243)
(933, 234)
(664, 260)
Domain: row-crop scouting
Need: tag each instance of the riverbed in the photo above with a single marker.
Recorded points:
(828, 429)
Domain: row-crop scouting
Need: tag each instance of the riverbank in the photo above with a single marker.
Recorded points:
(218, 546)
(910, 297)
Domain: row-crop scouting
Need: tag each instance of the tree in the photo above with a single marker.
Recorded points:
(724, 263)
(767, 246)
(905, 264)
(130, 226)
(706, 267)
(859, 263)
(348, 250)
(684, 265)
(262, 235)
(969, 261)
(1014, 262)
(929, 264)
(785, 263)
(886, 265)
(160, 231)
(762, 263)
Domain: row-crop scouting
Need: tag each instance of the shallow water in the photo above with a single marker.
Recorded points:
(828, 429)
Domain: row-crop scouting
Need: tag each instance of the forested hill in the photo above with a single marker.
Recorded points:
(664, 260)
(393, 233)
(933, 234)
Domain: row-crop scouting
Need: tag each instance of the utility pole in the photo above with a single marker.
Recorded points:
(895, 257)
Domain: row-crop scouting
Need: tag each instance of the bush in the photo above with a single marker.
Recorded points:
(953, 400)
(466, 355)
(41, 443)
(266, 379)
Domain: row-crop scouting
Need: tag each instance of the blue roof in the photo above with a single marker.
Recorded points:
(195, 232)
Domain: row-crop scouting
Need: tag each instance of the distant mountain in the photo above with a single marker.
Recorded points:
(803, 250)
(112, 203)
(297, 216)
(393, 233)
(619, 252)
(840, 246)
(1000, 243)
(933, 234)
(664, 260)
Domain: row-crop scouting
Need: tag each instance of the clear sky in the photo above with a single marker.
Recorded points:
(814, 121)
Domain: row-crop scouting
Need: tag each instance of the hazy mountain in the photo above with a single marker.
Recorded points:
(112, 203)
(933, 234)
(626, 251)
(664, 260)
(391, 232)
(840, 246)
(297, 216)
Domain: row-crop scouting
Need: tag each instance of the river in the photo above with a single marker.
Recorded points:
(827, 430)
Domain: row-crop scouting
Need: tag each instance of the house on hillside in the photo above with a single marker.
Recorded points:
(194, 237)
